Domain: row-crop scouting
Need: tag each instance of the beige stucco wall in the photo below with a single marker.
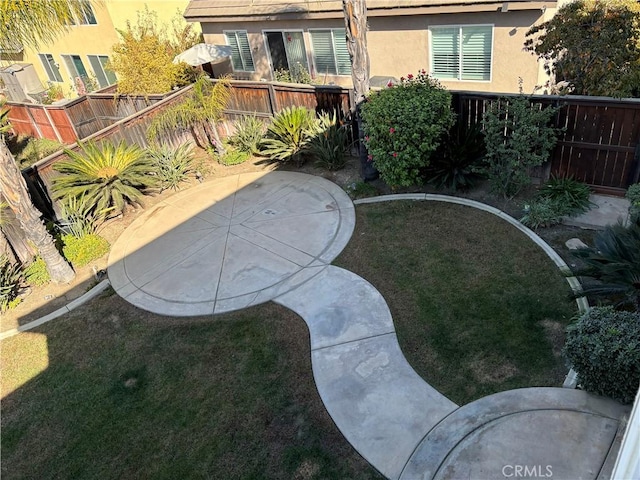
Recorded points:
(96, 39)
(400, 45)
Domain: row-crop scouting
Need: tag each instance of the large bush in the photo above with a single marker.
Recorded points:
(403, 125)
(518, 136)
(603, 346)
(143, 59)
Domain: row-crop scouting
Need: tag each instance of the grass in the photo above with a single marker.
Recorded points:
(478, 307)
(110, 391)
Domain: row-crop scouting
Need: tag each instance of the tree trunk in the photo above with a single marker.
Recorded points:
(355, 20)
(14, 189)
(6, 250)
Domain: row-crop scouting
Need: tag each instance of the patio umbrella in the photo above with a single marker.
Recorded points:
(204, 53)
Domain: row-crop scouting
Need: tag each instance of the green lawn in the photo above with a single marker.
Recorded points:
(110, 391)
(478, 307)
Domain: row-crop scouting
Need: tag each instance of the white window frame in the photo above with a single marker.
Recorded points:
(82, 19)
(98, 55)
(281, 31)
(235, 32)
(48, 64)
(460, 27)
(72, 75)
(335, 58)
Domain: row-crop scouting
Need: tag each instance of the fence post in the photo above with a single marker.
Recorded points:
(273, 103)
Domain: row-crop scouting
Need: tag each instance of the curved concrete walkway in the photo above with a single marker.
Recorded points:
(247, 239)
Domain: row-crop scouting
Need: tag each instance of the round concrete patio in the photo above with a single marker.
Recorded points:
(231, 243)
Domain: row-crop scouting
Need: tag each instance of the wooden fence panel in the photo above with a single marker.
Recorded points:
(42, 121)
(598, 142)
(250, 97)
(64, 126)
(21, 121)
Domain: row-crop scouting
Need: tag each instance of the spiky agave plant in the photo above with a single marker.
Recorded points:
(107, 176)
(288, 136)
(614, 264)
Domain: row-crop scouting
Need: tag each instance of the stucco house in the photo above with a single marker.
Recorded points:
(81, 52)
(467, 44)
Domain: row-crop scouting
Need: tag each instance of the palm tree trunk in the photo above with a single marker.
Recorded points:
(14, 189)
(5, 248)
(355, 20)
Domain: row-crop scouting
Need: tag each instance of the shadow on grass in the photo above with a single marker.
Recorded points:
(125, 393)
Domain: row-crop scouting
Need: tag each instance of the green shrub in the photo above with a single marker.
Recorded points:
(233, 157)
(361, 189)
(518, 136)
(570, 195)
(603, 346)
(558, 197)
(297, 74)
(403, 125)
(172, 165)
(108, 176)
(542, 212)
(31, 150)
(328, 146)
(80, 251)
(11, 280)
(249, 132)
(454, 164)
(36, 273)
(613, 265)
(78, 218)
(633, 195)
(288, 136)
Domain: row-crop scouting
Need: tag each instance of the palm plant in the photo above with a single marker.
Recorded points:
(614, 264)
(199, 113)
(288, 136)
(107, 176)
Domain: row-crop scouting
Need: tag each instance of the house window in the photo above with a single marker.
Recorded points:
(86, 15)
(240, 51)
(79, 76)
(104, 76)
(287, 51)
(330, 54)
(461, 53)
(51, 67)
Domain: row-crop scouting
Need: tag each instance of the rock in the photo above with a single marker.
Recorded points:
(575, 244)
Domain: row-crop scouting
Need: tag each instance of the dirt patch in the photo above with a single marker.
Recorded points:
(555, 333)
(487, 370)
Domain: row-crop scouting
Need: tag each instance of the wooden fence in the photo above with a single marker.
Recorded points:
(599, 143)
(76, 119)
(257, 98)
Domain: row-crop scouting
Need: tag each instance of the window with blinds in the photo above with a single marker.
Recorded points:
(461, 52)
(241, 57)
(330, 54)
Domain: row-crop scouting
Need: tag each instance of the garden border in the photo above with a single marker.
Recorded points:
(571, 379)
(94, 292)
